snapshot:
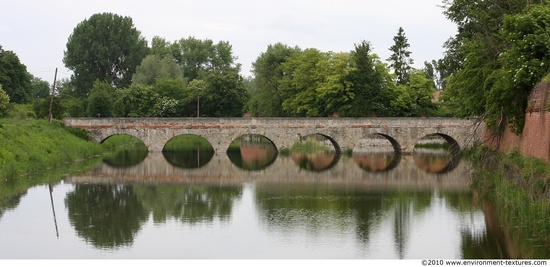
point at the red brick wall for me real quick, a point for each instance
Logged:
(535, 138)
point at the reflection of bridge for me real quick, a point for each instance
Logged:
(344, 133)
(155, 169)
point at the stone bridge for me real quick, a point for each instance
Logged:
(343, 133)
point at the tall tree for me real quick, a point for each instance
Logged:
(266, 98)
(304, 73)
(415, 99)
(476, 85)
(224, 96)
(372, 83)
(106, 47)
(14, 78)
(400, 59)
(40, 88)
(197, 57)
(154, 67)
(100, 102)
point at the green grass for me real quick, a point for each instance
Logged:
(31, 146)
(187, 142)
(519, 189)
(123, 142)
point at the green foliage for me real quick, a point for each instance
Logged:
(309, 147)
(105, 47)
(224, 95)
(100, 102)
(137, 101)
(187, 142)
(524, 64)
(316, 83)
(40, 88)
(29, 146)
(372, 82)
(74, 107)
(518, 187)
(266, 97)
(14, 78)
(154, 67)
(502, 51)
(4, 102)
(197, 57)
(304, 74)
(222, 92)
(21, 111)
(41, 108)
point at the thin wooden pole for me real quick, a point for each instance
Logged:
(51, 97)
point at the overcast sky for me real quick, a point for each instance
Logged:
(37, 30)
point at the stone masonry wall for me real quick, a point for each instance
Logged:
(535, 138)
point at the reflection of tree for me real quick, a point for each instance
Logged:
(9, 203)
(370, 210)
(108, 216)
(291, 206)
(125, 158)
(189, 204)
(189, 159)
(317, 207)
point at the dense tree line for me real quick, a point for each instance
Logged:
(116, 73)
(500, 51)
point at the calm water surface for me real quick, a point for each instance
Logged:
(368, 206)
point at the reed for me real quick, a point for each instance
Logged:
(519, 188)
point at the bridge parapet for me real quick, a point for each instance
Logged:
(345, 133)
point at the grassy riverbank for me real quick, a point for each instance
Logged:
(519, 189)
(31, 146)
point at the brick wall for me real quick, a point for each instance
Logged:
(535, 138)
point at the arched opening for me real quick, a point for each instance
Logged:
(315, 152)
(124, 150)
(252, 152)
(188, 151)
(436, 153)
(377, 153)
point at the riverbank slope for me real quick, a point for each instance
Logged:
(31, 146)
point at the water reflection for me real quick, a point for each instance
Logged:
(377, 162)
(316, 162)
(154, 209)
(252, 152)
(435, 160)
(188, 151)
(126, 158)
(189, 159)
(189, 204)
(128, 150)
(106, 216)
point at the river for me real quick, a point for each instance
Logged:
(210, 206)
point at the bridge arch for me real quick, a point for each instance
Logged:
(454, 153)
